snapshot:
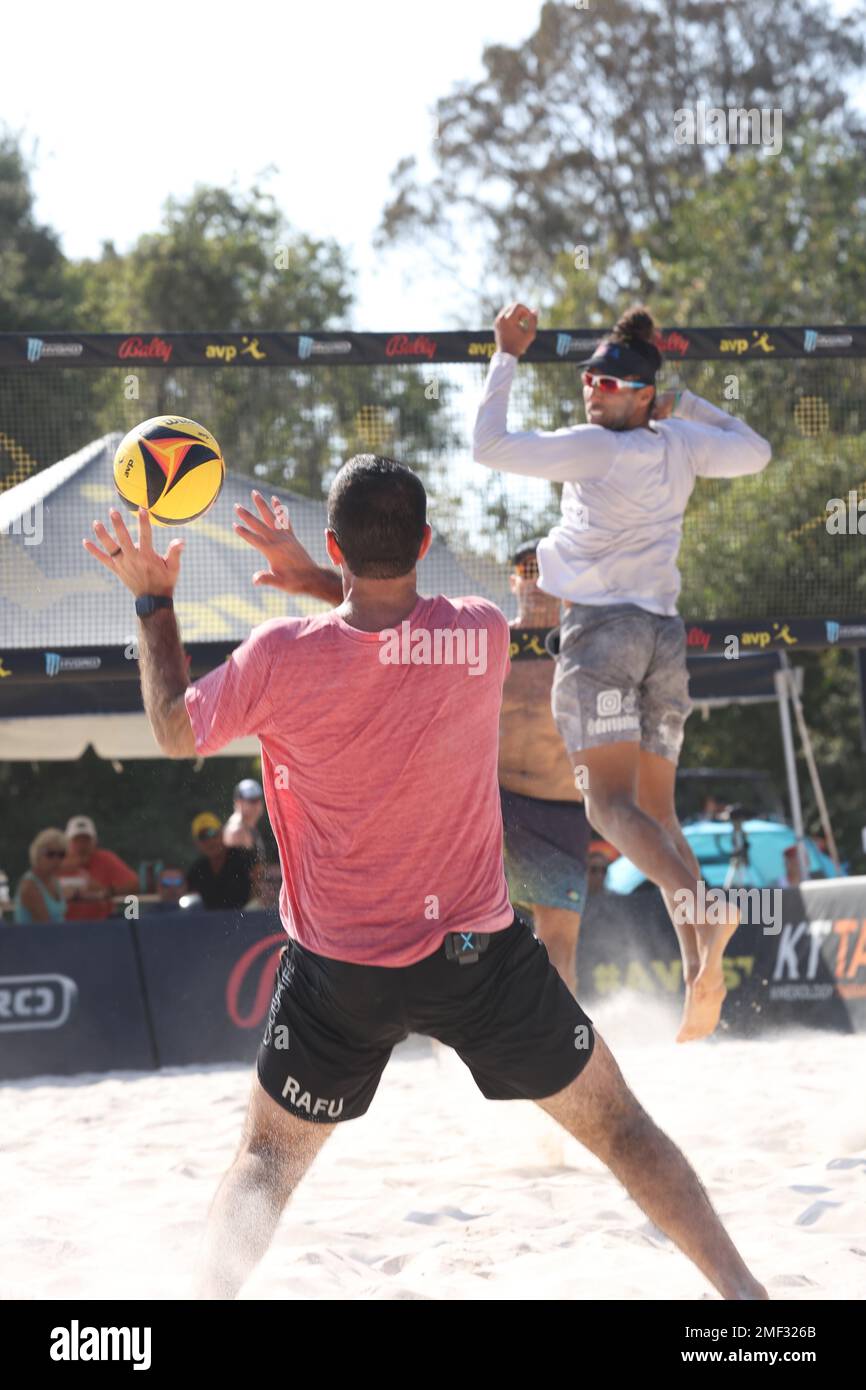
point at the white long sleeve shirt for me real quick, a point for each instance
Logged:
(625, 491)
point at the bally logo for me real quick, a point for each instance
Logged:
(305, 1102)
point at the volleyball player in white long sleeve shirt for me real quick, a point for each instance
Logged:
(620, 696)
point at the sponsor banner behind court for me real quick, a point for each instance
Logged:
(193, 988)
(209, 977)
(71, 1001)
(808, 969)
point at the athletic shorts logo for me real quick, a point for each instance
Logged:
(608, 703)
(302, 1100)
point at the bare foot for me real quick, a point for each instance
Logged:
(705, 992)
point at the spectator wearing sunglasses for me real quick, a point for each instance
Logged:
(170, 888)
(222, 875)
(620, 694)
(95, 874)
(545, 827)
(39, 897)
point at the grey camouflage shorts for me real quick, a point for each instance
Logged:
(621, 677)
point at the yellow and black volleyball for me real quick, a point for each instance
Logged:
(171, 466)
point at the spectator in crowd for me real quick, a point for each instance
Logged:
(241, 830)
(600, 855)
(223, 874)
(267, 881)
(793, 874)
(39, 897)
(171, 886)
(712, 808)
(99, 873)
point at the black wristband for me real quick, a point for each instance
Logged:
(148, 603)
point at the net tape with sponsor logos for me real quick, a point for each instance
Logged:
(758, 559)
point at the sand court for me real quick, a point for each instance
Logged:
(437, 1193)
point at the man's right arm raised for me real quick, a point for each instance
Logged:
(575, 454)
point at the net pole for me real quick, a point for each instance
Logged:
(780, 679)
(806, 740)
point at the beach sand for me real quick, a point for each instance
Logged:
(437, 1193)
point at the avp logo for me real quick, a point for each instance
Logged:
(34, 349)
(563, 343)
(30, 1002)
(832, 631)
(810, 339)
(52, 663)
(305, 347)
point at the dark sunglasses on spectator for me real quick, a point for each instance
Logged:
(54, 853)
(207, 834)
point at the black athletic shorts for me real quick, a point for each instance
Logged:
(332, 1024)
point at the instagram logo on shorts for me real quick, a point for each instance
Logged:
(609, 702)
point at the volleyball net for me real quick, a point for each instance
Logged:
(776, 559)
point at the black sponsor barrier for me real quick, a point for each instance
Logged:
(71, 1001)
(799, 959)
(192, 988)
(208, 979)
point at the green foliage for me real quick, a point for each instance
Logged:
(36, 290)
(569, 138)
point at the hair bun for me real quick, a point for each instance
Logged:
(636, 322)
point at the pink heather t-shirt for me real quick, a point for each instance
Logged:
(379, 762)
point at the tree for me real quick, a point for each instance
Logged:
(226, 260)
(569, 139)
(36, 289)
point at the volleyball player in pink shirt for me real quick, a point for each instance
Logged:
(378, 723)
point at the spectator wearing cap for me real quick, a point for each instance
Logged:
(601, 856)
(223, 874)
(793, 874)
(39, 897)
(241, 830)
(97, 874)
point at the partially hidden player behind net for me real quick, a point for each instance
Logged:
(546, 830)
(620, 695)
(379, 762)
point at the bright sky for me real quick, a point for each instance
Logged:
(127, 104)
(131, 103)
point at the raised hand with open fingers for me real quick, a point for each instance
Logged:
(290, 567)
(140, 568)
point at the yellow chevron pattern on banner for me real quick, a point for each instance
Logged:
(24, 464)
